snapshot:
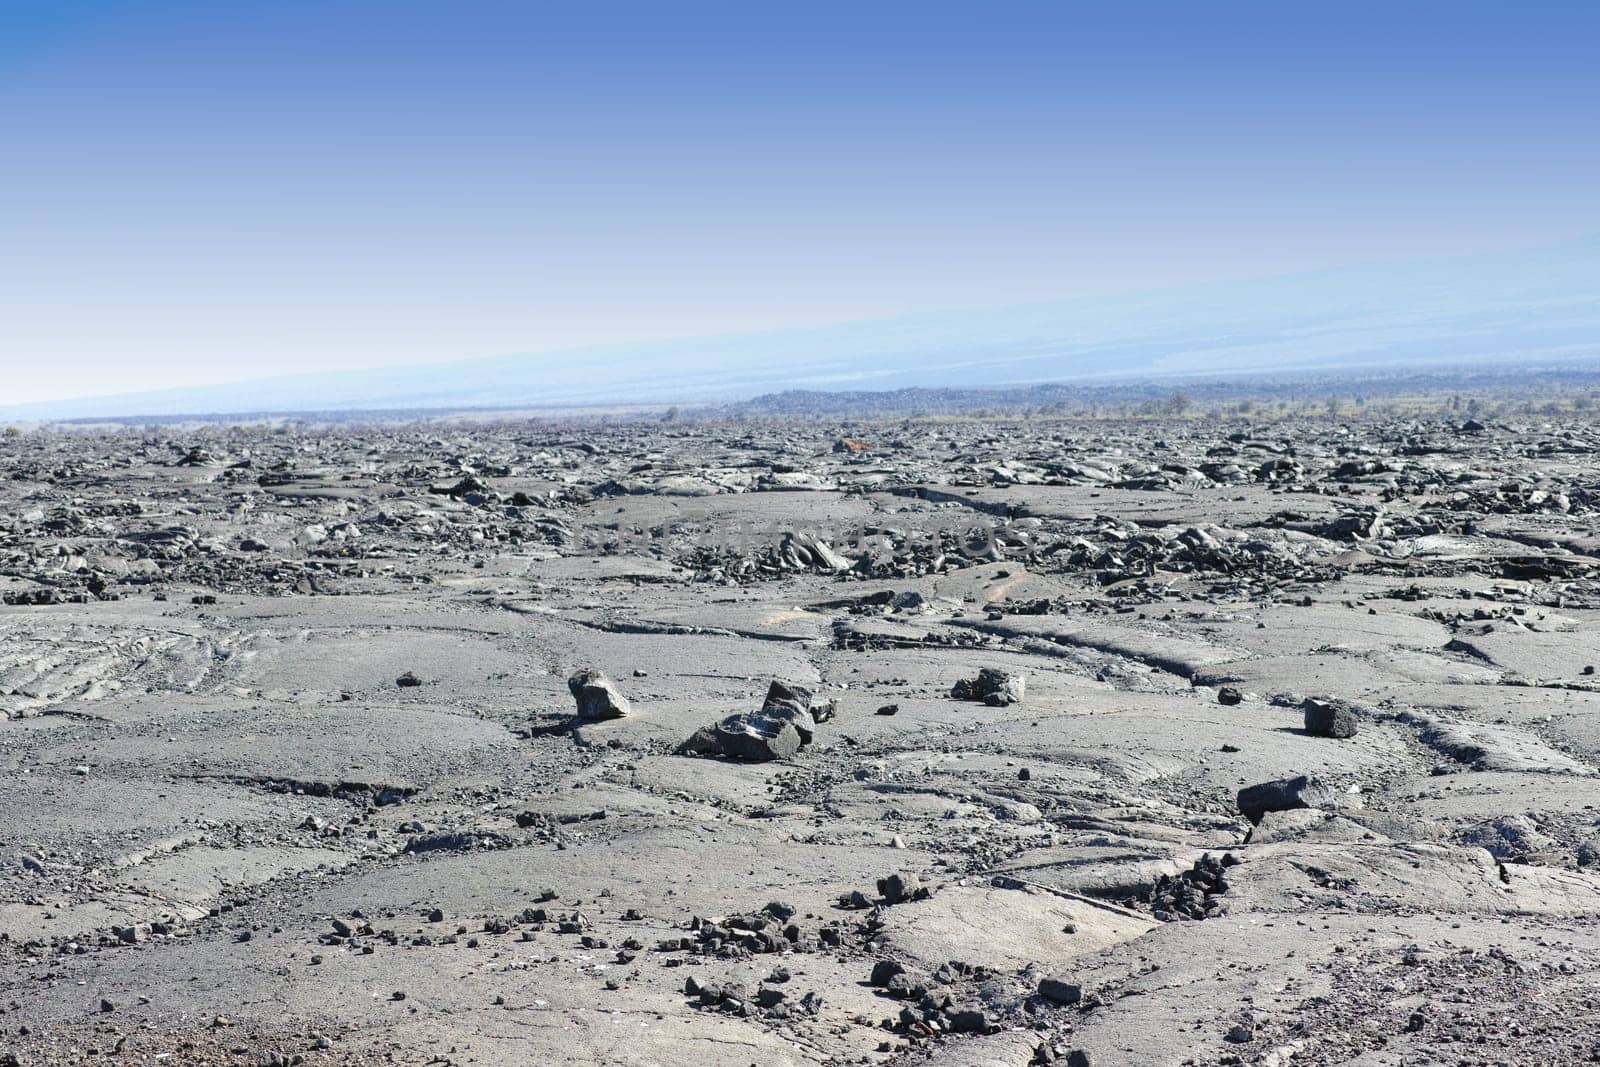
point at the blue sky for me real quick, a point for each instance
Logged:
(195, 192)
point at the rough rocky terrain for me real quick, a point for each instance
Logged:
(1094, 743)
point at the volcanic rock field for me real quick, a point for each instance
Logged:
(962, 742)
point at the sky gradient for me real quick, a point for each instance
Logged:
(193, 192)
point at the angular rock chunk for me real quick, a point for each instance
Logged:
(1060, 991)
(787, 696)
(1330, 717)
(760, 736)
(756, 735)
(994, 687)
(784, 725)
(597, 696)
(1284, 794)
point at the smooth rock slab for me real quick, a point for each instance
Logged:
(1006, 929)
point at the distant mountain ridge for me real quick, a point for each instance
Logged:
(1520, 380)
(1536, 304)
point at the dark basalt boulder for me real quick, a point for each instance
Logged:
(1285, 794)
(1330, 717)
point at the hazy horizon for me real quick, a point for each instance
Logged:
(1507, 308)
(203, 196)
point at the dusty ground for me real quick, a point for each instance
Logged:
(232, 836)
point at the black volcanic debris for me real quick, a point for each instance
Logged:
(1195, 893)
(996, 688)
(1234, 738)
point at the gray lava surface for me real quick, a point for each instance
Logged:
(960, 742)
